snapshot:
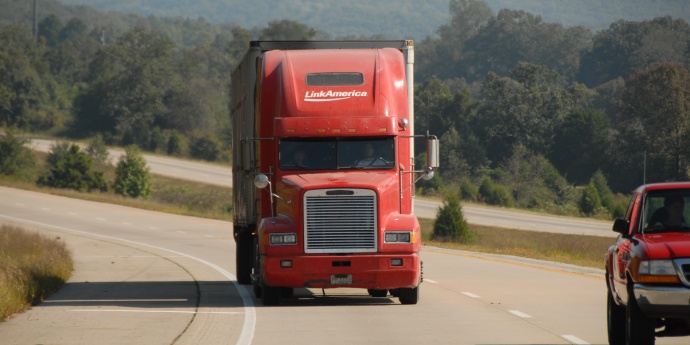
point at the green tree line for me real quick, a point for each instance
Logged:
(529, 113)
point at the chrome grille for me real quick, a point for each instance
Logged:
(340, 221)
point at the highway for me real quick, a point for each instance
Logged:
(146, 277)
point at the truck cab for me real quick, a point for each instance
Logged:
(323, 169)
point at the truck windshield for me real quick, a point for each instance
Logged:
(665, 211)
(337, 153)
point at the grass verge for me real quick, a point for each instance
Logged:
(31, 267)
(580, 250)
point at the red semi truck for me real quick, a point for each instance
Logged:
(323, 168)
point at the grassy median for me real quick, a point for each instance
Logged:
(31, 267)
(580, 250)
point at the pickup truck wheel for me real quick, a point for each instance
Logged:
(615, 320)
(639, 328)
(409, 295)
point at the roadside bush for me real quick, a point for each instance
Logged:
(175, 144)
(98, 151)
(132, 177)
(468, 191)
(450, 223)
(494, 194)
(73, 169)
(590, 202)
(16, 159)
(605, 193)
(204, 146)
(156, 139)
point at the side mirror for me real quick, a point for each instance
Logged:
(432, 149)
(621, 226)
(428, 174)
(261, 181)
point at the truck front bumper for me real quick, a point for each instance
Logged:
(332, 271)
(663, 301)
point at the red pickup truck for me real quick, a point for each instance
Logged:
(648, 268)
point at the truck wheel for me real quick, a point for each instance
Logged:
(244, 257)
(270, 295)
(287, 292)
(639, 328)
(377, 292)
(615, 320)
(409, 295)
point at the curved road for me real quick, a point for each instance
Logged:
(153, 278)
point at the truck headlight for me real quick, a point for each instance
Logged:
(283, 239)
(398, 237)
(657, 271)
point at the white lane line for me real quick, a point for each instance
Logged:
(180, 232)
(119, 300)
(99, 218)
(152, 311)
(574, 340)
(209, 236)
(153, 228)
(73, 214)
(520, 314)
(430, 281)
(469, 294)
(126, 223)
(249, 325)
(45, 209)
(18, 204)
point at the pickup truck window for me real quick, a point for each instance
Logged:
(666, 211)
(362, 153)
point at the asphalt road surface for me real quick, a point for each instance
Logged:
(154, 278)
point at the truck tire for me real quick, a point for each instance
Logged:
(244, 257)
(377, 292)
(639, 328)
(409, 295)
(270, 295)
(615, 320)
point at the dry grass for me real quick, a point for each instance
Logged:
(31, 267)
(169, 195)
(585, 251)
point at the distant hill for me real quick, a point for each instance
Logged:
(392, 18)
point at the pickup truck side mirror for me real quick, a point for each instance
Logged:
(621, 226)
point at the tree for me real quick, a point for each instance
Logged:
(287, 30)
(517, 36)
(72, 169)
(132, 176)
(523, 109)
(579, 143)
(16, 159)
(655, 125)
(130, 82)
(450, 223)
(627, 45)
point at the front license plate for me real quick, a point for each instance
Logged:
(341, 279)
